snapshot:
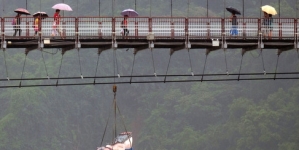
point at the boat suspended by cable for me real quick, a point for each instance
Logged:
(123, 141)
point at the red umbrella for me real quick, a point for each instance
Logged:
(22, 11)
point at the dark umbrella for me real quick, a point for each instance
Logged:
(42, 14)
(233, 10)
(22, 11)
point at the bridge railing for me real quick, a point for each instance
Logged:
(161, 27)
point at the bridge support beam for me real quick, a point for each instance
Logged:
(140, 48)
(244, 50)
(208, 50)
(280, 50)
(172, 50)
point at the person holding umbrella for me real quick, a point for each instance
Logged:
(233, 20)
(56, 24)
(17, 20)
(124, 24)
(17, 23)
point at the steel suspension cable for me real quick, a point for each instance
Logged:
(80, 64)
(276, 67)
(154, 61)
(204, 67)
(167, 68)
(224, 50)
(240, 68)
(94, 81)
(45, 64)
(7, 77)
(190, 62)
(132, 68)
(59, 70)
(263, 61)
(23, 70)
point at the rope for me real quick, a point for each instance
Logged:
(59, 70)
(5, 65)
(154, 62)
(23, 70)
(190, 63)
(167, 69)
(94, 81)
(80, 64)
(105, 128)
(132, 68)
(45, 64)
(240, 68)
(276, 67)
(204, 68)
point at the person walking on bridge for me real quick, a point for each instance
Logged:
(17, 22)
(234, 29)
(56, 25)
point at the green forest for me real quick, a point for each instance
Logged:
(233, 115)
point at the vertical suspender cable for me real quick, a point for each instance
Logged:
(167, 68)
(240, 68)
(276, 67)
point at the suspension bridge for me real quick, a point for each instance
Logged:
(154, 33)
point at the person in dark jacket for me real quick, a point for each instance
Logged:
(17, 27)
(234, 29)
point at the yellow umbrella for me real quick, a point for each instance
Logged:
(269, 9)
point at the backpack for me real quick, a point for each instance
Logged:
(13, 21)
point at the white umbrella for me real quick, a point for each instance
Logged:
(62, 6)
(129, 12)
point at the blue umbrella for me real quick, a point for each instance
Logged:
(129, 13)
(233, 10)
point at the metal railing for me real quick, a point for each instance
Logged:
(161, 27)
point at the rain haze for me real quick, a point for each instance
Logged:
(207, 115)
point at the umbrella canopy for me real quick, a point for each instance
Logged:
(269, 9)
(42, 14)
(22, 11)
(62, 6)
(129, 12)
(233, 10)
